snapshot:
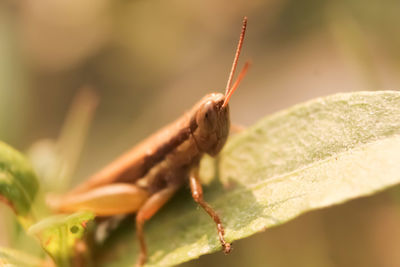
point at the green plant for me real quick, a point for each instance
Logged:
(310, 156)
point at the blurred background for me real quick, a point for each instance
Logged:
(149, 61)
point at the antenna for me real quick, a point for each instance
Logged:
(236, 84)
(235, 60)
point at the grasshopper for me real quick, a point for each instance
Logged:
(142, 180)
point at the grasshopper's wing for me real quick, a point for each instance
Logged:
(139, 160)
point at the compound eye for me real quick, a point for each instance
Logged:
(207, 117)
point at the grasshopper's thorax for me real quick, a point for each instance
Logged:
(213, 124)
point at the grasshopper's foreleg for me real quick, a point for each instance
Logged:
(237, 128)
(197, 194)
(150, 207)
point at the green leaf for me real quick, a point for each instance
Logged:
(11, 258)
(311, 156)
(18, 182)
(59, 234)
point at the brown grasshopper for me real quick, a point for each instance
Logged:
(142, 180)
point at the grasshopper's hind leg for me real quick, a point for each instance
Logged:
(197, 194)
(150, 207)
(107, 200)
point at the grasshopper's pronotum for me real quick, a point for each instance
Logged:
(142, 180)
